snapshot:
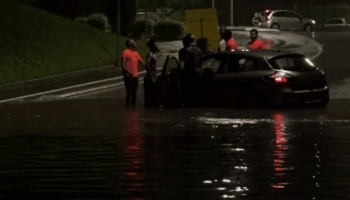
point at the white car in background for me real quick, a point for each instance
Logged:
(283, 20)
(334, 24)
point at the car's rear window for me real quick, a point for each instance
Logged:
(292, 63)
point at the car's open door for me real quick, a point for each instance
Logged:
(168, 83)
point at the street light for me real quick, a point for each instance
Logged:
(146, 22)
(118, 32)
(231, 12)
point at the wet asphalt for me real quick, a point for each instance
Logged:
(98, 149)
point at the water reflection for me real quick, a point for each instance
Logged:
(172, 154)
(253, 147)
(279, 155)
(232, 142)
(132, 146)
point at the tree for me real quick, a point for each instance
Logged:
(163, 5)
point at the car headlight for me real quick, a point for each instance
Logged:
(313, 21)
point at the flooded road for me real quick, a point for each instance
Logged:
(97, 149)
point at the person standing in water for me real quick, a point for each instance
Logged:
(149, 85)
(130, 61)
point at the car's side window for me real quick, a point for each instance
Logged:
(335, 21)
(285, 62)
(211, 63)
(248, 65)
(232, 65)
(276, 14)
(241, 63)
(279, 14)
(293, 15)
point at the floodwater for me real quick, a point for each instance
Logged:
(98, 149)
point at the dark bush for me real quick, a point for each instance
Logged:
(81, 19)
(98, 20)
(169, 29)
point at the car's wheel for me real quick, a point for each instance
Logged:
(308, 28)
(275, 26)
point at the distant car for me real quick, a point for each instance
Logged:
(334, 24)
(254, 79)
(283, 20)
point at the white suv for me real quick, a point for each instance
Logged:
(284, 20)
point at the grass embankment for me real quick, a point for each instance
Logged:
(35, 43)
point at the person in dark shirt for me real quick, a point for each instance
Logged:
(191, 60)
(150, 78)
(185, 43)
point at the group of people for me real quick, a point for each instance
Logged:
(130, 61)
(228, 44)
(190, 57)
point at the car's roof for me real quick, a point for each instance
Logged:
(283, 11)
(258, 53)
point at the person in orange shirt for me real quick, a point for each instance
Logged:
(130, 61)
(255, 43)
(230, 43)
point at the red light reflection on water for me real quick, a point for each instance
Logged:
(280, 147)
(132, 146)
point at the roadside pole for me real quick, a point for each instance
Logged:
(231, 12)
(146, 22)
(118, 33)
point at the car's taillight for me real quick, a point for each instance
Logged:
(267, 14)
(279, 77)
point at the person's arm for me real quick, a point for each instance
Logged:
(153, 67)
(125, 68)
(147, 65)
(181, 58)
(140, 61)
(148, 62)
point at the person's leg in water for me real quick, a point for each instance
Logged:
(188, 89)
(128, 90)
(148, 92)
(135, 84)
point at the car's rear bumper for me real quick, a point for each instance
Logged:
(301, 97)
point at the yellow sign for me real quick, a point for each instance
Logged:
(203, 23)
